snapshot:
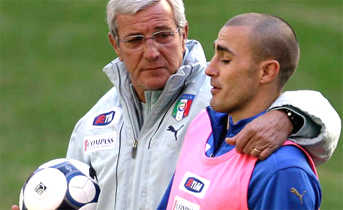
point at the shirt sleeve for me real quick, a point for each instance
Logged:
(284, 181)
(314, 106)
(288, 189)
(75, 146)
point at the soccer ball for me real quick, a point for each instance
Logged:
(60, 184)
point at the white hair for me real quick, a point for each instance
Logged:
(131, 7)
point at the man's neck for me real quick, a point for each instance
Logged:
(261, 102)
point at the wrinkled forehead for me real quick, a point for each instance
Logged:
(159, 15)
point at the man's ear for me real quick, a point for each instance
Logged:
(269, 70)
(115, 46)
(184, 36)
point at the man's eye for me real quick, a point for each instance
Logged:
(163, 35)
(226, 61)
(134, 39)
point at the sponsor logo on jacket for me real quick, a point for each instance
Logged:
(183, 106)
(182, 204)
(104, 118)
(99, 142)
(194, 185)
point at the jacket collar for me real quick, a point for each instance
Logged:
(194, 63)
(194, 54)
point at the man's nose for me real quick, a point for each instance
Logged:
(211, 69)
(151, 51)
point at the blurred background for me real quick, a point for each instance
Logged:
(51, 59)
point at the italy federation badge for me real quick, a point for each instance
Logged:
(182, 107)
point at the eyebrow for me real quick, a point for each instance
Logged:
(158, 28)
(221, 48)
(162, 28)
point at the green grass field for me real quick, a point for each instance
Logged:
(52, 54)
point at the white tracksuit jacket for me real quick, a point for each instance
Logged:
(134, 158)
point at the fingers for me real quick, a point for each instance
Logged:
(231, 141)
(241, 139)
(252, 147)
(246, 139)
(15, 207)
(261, 147)
(255, 152)
(262, 154)
(265, 153)
(261, 137)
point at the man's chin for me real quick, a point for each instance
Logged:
(217, 106)
(155, 84)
